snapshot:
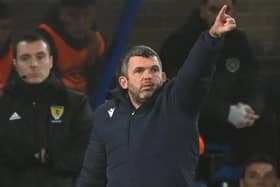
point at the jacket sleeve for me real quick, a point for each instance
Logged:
(93, 173)
(194, 78)
(71, 154)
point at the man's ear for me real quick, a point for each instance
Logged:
(163, 76)
(15, 63)
(123, 82)
(51, 61)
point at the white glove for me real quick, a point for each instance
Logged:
(237, 114)
(242, 115)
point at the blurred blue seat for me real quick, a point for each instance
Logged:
(220, 164)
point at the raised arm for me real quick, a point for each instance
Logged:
(223, 23)
(194, 77)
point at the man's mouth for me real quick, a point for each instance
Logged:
(147, 87)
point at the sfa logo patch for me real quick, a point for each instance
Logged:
(56, 113)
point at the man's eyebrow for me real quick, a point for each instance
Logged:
(40, 52)
(25, 54)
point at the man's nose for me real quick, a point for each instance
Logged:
(33, 62)
(260, 182)
(147, 74)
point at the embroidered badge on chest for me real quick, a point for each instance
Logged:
(57, 113)
(232, 64)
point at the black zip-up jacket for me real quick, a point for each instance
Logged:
(45, 116)
(157, 144)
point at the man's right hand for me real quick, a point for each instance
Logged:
(223, 23)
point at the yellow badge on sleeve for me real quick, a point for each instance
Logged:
(57, 112)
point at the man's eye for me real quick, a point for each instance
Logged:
(40, 57)
(139, 70)
(156, 69)
(253, 175)
(24, 58)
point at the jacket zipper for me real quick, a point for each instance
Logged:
(40, 135)
(129, 127)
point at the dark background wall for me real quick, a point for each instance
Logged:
(157, 18)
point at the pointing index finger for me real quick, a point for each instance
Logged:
(222, 12)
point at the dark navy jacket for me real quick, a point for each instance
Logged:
(157, 144)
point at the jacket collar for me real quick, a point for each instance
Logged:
(46, 89)
(120, 97)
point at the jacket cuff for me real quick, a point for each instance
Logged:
(213, 41)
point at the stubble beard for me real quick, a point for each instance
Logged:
(142, 97)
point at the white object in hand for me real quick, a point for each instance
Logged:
(237, 114)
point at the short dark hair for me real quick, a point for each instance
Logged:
(259, 158)
(5, 11)
(139, 50)
(28, 36)
(77, 3)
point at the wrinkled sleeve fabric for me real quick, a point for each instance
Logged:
(194, 78)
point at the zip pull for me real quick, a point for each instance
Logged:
(43, 155)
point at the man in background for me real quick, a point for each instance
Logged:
(44, 126)
(77, 44)
(260, 170)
